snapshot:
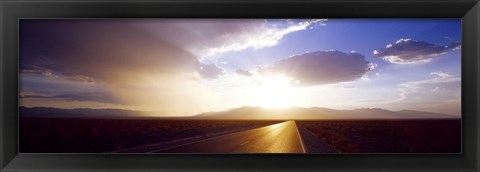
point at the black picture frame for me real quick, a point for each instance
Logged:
(13, 10)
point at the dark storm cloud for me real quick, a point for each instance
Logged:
(210, 71)
(109, 50)
(101, 49)
(408, 51)
(138, 61)
(243, 72)
(322, 67)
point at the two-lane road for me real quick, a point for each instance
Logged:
(277, 138)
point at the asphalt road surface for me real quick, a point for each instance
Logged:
(277, 138)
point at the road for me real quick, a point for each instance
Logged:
(277, 138)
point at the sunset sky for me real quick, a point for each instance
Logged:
(178, 67)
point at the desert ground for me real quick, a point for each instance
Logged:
(64, 135)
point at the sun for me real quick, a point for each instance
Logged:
(275, 92)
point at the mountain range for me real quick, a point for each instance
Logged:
(319, 113)
(242, 113)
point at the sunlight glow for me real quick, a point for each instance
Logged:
(275, 92)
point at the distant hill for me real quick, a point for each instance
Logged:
(242, 113)
(319, 113)
(47, 112)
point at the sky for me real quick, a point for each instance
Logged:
(183, 67)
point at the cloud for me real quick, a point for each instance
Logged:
(441, 93)
(110, 50)
(408, 51)
(321, 67)
(208, 37)
(455, 46)
(436, 89)
(243, 72)
(105, 49)
(138, 68)
(439, 79)
(101, 97)
(441, 75)
(210, 71)
(143, 62)
(265, 35)
(48, 73)
(25, 94)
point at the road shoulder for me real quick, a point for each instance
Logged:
(313, 144)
